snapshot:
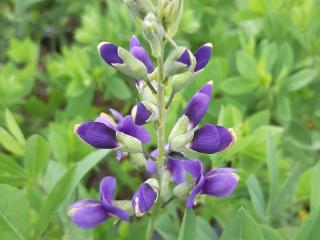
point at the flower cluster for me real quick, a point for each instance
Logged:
(127, 135)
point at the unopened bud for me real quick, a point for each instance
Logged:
(171, 14)
(179, 61)
(140, 8)
(129, 143)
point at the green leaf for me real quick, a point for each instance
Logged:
(14, 127)
(270, 233)
(188, 227)
(299, 79)
(242, 227)
(204, 230)
(237, 85)
(119, 88)
(310, 230)
(256, 196)
(10, 172)
(246, 66)
(166, 227)
(63, 188)
(273, 171)
(315, 189)
(14, 214)
(9, 143)
(37, 154)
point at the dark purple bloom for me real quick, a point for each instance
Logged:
(198, 105)
(151, 167)
(140, 53)
(109, 53)
(202, 55)
(89, 213)
(176, 169)
(101, 133)
(211, 139)
(141, 114)
(185, 58)
(145, 196)
(220, 182)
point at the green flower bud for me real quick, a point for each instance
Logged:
(182, 190)
(171, 15)
(140, 8)
(178, 143)
(153, 32)
(129, 143)
(179, 81)
(181, 127)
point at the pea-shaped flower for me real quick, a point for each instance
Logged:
(145, 196)
(105, 133)
(88, 213)
(220, 182)
(135, 63)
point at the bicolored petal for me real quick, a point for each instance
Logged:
(211, 139)
(106, 119)
(195, 191)
(140, 53)
(176, 169)
(97, 134)
(87, 213)
(185, 58)
(144, 198)
(116, 114)
(220, 182)
(202, 55)
(109, 53)
(128, 127)
(140, 114)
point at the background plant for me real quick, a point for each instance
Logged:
(276, 102)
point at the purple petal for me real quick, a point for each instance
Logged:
(107, 189)
(143, 199)
(195, 191)
(109, 53)
(185, 58)
(202, 56)
(141, 114)
(134, 42)
(194, 167)
(151, 167)
(141, 54)
(197, 108)
(176, 169)
(211, 139)
(121, 155)
(116, 114)
(207, 89)
(87, 213)
(220, 182)
(123, 215)
(106, 119)
(128, 127)
(97, 135)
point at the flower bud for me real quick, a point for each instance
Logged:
(181, 80)
(180, 127)
(140, 8)
(179, 143)
(179, 61)
(172, 12)
(138, 159)
(145, 196)
(144, 112)
(153, 32)
(122, 60)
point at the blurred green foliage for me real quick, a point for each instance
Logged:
(265, 69)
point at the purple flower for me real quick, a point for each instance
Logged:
(101, 133)
(202, 55)
(136, 63)
(211, 139)
(141, 114)
(185, 58)
(198, 105)
(220, 182)
(145, 196)
(140, 53)
(89, 213)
